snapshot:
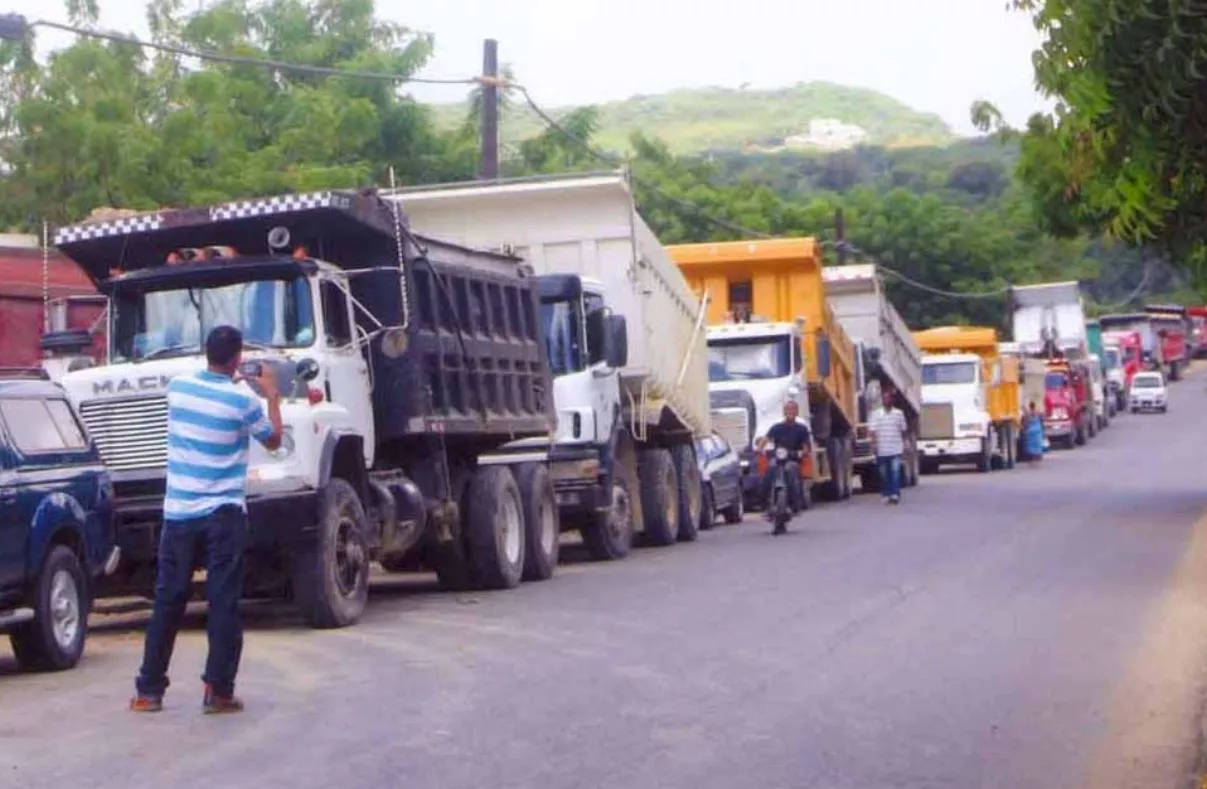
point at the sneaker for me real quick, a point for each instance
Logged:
(780, 530)
(214, 704)
(141, 703)
(894, 499)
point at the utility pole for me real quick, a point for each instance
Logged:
(840, 236)
(490, 111)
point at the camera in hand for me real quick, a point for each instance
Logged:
(250, 370)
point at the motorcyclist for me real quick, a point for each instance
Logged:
(793, 436)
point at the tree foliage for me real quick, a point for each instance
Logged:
(1125, 152)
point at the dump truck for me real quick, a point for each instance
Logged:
(1152, 356)
(402, 361)
(1049, 323)
(1173, 326)
(971, 399)
(887, 359)
(626, 345)
(772, 335)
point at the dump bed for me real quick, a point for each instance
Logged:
(1050, 311)
(862, 307)
(778, 280)
(478, 370)
(589, 225)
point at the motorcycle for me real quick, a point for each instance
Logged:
(779, 463)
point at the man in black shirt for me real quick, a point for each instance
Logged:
(793, 436)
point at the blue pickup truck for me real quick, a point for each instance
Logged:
(56, 522)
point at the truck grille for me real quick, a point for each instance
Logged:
(937, 421)
(130, 434)
(731, 423)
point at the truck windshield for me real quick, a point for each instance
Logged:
(563, 325)
(949, 373)
(1054, 382)
(749, 358)
(159, 323)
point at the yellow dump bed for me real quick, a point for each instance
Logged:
(778, 280)
(1005, 395)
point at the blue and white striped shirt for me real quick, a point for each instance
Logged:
(209, 421)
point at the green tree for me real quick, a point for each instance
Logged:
(1125, 152)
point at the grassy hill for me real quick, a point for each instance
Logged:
(722, 119)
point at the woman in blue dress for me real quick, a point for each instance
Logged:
(1033, 435)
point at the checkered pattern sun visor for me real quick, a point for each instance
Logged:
(239, 209)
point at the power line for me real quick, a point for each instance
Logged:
(954, 294)
(15, 27)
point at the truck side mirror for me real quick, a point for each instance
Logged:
(618, 341)
(307, 369)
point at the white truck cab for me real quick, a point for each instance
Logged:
(955, 418)
(753, 369)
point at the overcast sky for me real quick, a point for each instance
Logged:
(935, 55)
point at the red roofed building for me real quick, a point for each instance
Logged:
(74, 302)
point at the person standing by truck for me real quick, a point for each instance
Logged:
(1033, 435)
(889, 431)
(210, 419)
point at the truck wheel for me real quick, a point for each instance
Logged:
(1010, 447)
(690, 500)
(609, 535)
(494, 528)
(928, 466)
(1081, 434)
(735, 512)
(843, 481)
(659, 484)
(54, 639)
(332, 582)
(541, 530)
(869, 482)
(985, 461)
(708, 508)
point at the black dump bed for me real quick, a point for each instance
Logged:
(463, 354)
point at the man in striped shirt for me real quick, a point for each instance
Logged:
(889, 432)
(211, 416)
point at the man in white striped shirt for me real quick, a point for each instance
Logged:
(210, 419)
(889, 432)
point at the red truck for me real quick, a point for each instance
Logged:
(1198, 332)
(36, 291)
(1172, 325)
(1131, 353)
(1068, 403)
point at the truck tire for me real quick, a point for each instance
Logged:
(928, 466)
(689, 488)
(1175, 371)
(869, 481)
(331, 583)
(659, 502)
(708, 508)
(609, 535)
(842, 467)
(54, 639)
(1011, 447)
(1080, 434)
(541, 530)
(494, 528)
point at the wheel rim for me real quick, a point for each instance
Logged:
(548, 529)
(621, 512)
(64, 608)
(510, 523)
(349, 557)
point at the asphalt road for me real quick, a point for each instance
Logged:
(1032, 628)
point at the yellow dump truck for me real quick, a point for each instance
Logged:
(771, 336)
(971, 399)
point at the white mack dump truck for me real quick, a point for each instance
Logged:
(402, 361)
(626, 343)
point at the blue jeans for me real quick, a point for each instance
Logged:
(219, 539)
(890, 475)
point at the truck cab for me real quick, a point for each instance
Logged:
(956, 426)
(1066, 404)
(753, 369)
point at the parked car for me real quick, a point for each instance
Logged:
(1148, 392)
(56, 522)
(721, 474)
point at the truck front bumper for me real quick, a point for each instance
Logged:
(1059, 428)
(579, 483)
(950, 448)
(282, 518)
